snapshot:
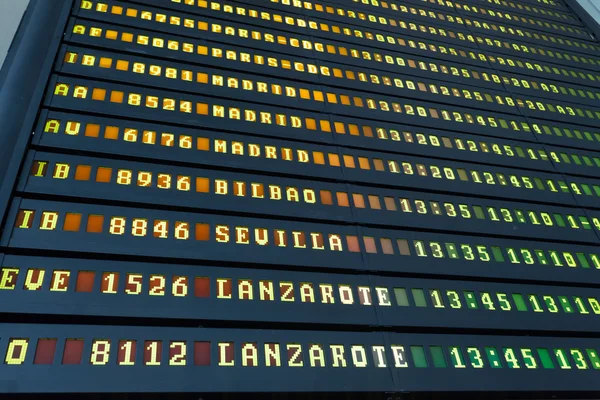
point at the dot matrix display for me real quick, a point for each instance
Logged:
(373, 196)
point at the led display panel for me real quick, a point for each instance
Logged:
(276, 196)
(205, 359)
(206, 293)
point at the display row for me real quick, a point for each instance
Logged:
(36, 285)
(170, 235)
(387, 137)
(368, 108)
(558, 134)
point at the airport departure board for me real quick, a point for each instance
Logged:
(302, 196)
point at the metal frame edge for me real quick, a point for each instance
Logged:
(24, 78)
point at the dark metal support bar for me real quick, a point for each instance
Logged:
(22, 82)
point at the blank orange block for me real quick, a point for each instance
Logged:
(352, 242)
(127, 37)
(326, 197)
(105, 62)
(202, 232)
(325, 125)
(358, 200)
(349, 161)
(370, 246)
(386, 246)
(45, 351)
(111, 132)
(311, 124)
(72, 222)
(201, 77)
(374, 202)
(92, 130)
(304, 94)
(334, 160)
(202, 108)
(363, 162)
(116, 96)
(378, 163)
(122, 65)
(83, 172)
(318, 157)
(99, 94)
(203, 144)
(85, 281)
(342, 199)
(390, 204)
(202, 185)
(403, 246)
